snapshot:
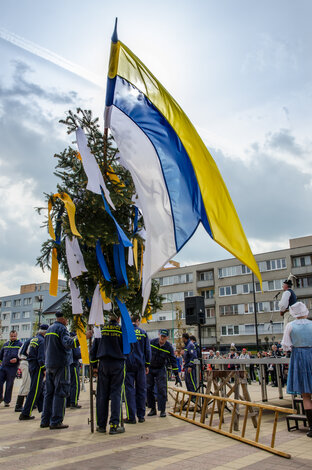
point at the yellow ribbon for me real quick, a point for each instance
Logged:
(113, 177)
(54, 274)
(78, 156)
(71, 210)
(51, 230)
(135, 252)
(141, 268)
(82, 341)
(106, 299)
(143, 320)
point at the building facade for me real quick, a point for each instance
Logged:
(231, 294)
(21, 311)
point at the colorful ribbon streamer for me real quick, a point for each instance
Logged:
(101, 260)
(120, 264)
(128, 334)
(82, 341)
(121, 234)
(71, 210)
(54, 274)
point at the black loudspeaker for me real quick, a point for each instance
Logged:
(194, 310)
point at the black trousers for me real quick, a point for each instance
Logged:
(158, 377)
(111, 375)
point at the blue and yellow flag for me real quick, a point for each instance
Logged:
(177, 180)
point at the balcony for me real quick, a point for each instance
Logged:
(208, 283)
(210, 321)
(210, 302)
(209, 341)
(301, 270)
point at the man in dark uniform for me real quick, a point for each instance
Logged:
(162, 355)
(36, 361)
(9, 365)
(137, 366)
(73, 398)
(58, 344)
(108, 362)
(189, 367)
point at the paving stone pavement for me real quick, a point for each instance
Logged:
(159, 443)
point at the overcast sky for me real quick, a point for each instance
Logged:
(241, 70)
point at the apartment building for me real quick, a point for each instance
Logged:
(231, 294)
(20, 311)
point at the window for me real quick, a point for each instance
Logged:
(210, 312)
(6, 316)
(208, 331)
(7, 303)
(304, 282)
(206, 276)
(299, 261)
(15, 315)
(26, 327)
(162, 318)
(228, 309)
(207, 294)
(26, 314)
(15, 327)
(229, 330)
(5, 329)
(17, 302)
(228, 290)
(27, 301)
(272, 264)
(178, 279)
(177, 296)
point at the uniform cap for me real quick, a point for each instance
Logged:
(44, 326)
(164, 332)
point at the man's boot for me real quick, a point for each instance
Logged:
(19, 403)
(309, 416)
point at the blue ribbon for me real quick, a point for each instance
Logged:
(121, 234)
(128, 334)
(101, 260)
(135, 222)
(120, 264)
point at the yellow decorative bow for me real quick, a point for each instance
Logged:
(71, 210)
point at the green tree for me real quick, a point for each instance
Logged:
(92, 220)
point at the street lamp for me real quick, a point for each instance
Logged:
(255, 310)
(39, 298)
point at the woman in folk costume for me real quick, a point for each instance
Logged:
(298, 338)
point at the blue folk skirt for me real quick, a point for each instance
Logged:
(300, 371)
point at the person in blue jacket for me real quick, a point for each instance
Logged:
(9, 365)
(73, 398)
(137, 366)
(58, 344)
(36, 361)
(162, 355)
(189, 367)
(108, 362)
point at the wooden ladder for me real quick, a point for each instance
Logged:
(181, 410)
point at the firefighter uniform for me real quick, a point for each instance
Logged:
(107, 356)
(136, 364)
(73, 398)
(36, 363)
(161, 357)
(8, 369)
(58, 345)
(190, 355)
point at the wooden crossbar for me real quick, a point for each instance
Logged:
(202, 402)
